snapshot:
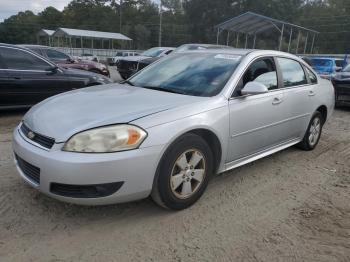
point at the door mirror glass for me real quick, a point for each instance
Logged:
(254, 88)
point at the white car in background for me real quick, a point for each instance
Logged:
(120, 55)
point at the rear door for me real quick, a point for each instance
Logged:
(299, 95)
(30, 79)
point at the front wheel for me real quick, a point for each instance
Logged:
(183, 173)
(313, 132)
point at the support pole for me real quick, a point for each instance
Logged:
(81, 42)
(246, 41)
(254, 41)
(228, 37)
(237, 40)
(296, 51)
(217, 36)
(160, 24)
(281, 40)
(290, 39)
(307, 37)
(313, 42)
(92, 43)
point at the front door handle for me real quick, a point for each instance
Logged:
(277, 101)
(312, 93)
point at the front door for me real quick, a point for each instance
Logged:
(257, 122)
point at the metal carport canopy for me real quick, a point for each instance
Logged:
(252, 24)
(68, 32)
(46, 32)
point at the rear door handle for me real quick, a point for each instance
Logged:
(277, 101)
(17, 77)
(312, 93)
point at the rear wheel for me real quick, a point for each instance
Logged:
(313, 133)
(183, 173)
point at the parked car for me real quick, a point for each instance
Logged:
(128, 66)
(171, 127)
(326, 66)
(112, 61)
(186, 47)
(341, 83)
(27, 78)
(89, 57)
(66, 61)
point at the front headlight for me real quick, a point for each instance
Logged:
(106, 139)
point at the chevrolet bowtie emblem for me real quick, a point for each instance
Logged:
(31, 135)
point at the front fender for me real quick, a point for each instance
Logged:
(215, 120)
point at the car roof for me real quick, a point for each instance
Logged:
(245, 52)
(23, 47)
(36, 46)
(233, 51)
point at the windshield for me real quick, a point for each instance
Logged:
(153, 52)
(322, 62)
(347, 69)
(195, 74)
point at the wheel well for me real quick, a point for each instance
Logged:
(213, 142)
(323, 111)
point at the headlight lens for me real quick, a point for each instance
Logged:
(106, 139)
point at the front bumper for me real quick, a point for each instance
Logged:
(135, 168)
(342, 93)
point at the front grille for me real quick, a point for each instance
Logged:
(85, 191)
(30, 171)
(44, 141)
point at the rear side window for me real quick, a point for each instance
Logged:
(312, 76)
(53, 54)
(20, 60)
(292, 72)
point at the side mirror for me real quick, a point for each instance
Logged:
(52, 69)
(254, 88)
(338, 69)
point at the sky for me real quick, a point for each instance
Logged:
(12, 7)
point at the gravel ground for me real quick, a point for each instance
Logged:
(292, 206)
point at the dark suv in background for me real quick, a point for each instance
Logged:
(27, 78)
(67, 61)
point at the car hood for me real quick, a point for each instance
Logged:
(66, 114)
(342, 76)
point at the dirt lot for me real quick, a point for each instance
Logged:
(292, 206)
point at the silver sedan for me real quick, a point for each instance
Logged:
(167, 130)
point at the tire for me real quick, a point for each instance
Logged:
(307, 143)
(178, 184)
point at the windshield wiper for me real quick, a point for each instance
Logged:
(128, 82)
(165, 90)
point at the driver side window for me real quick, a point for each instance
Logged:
(262, 71)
